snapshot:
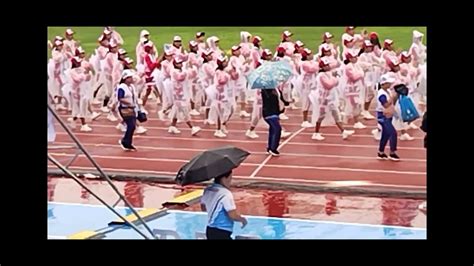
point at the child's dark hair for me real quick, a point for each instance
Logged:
(218, 179)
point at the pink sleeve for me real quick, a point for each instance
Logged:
(77, 77)
(352, 74)
(328, 83)
(56, 56)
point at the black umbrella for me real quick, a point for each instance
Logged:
(210, 164)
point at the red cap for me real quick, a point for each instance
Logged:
(281, 49)
(373, 35)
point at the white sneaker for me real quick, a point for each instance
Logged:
(359, 125)
(224, 129)
(195, 130)
(251, 134)
(104, 109)
(367, 116)
(86, 128)
(377, 134)
(283, 117)
(173, 130)
(194, 112)
(219, 134)
(285, 134)
(95, 115)
(161, 115)
(306, 124)
(413, 126)
(140, 101)
(111, 117)
(140, 130)
(244, 114)
(347, 133)
(406, 137)
(317, 136)
(121, 127)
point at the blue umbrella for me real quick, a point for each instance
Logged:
(270, 74)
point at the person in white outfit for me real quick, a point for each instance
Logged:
(326, 99)
(79, 101)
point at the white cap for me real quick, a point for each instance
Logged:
(112, 44)
(235, 47)
(207, 52)
(77, 59)
(368, 43)
(417, 34)
(128, 60)
(193, 43)
(324, 61)
(144, 32)
(122, 51)
(325, 47)
(287, 33)
(388, 41)
(81, 50)
(405, 54)
(127, 73)
(299, 43)
(69, 32)
(58, 42)
(178, 59)
(221, 59)
(386, 78)
(177, 38)
(327, 35)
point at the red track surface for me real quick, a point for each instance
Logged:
(302, 160)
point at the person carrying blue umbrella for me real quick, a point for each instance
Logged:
(267, 77)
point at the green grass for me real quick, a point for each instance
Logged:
(229, 36)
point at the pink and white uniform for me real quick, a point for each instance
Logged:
(354, 76)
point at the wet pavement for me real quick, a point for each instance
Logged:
(313, 206)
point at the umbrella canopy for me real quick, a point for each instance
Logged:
(270, 74)
(210, 164)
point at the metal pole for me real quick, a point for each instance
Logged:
(70, 174)
(79, 145)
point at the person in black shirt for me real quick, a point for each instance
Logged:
(270, 111)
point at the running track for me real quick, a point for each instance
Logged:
(303, 160)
